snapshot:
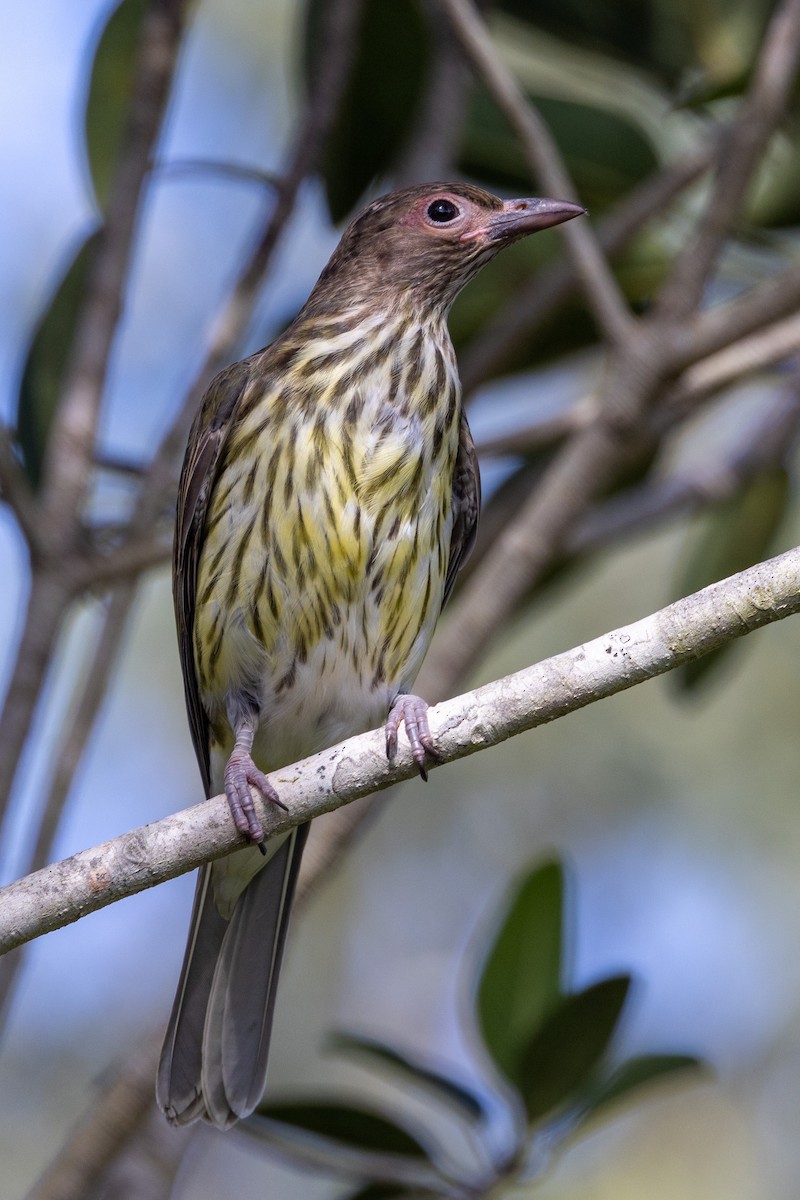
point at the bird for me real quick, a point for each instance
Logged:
(329, 495)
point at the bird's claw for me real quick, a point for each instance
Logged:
(241, 774)
(411, 711)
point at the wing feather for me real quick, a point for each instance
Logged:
(466, 506)
(200, 471)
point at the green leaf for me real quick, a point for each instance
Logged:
(415, 1070)
(359, 1128)
(731, 537)
(636, 1073)
(521, 979)
(651, 36)
(561, 1057)
(605, 154)
(43, 373)
(381, 100)
(110, 91)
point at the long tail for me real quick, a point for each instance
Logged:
(214, 1059)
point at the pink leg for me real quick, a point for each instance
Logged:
(241, 773)
(412, 711)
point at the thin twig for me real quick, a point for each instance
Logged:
(133, 558)
(68, 755)
(767, 442)
(240, 172)
(711, 331)
(15, 491)
(749, 136)
(48, 600)
(769, 346)
(603, 295)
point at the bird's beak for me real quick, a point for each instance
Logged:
(519, 217)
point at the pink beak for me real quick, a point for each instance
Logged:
(519, 217)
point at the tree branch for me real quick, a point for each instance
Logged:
(92, 879)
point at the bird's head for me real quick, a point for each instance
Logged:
(424, 243)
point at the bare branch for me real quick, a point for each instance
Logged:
(48, 601)
(94, 878)
(544, 160)
(137, 554)
(83, 713)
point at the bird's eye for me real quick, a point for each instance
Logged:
(441, 211)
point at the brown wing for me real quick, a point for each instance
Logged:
(466, 506)
(198, 476)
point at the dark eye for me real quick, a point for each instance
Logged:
(442, 211)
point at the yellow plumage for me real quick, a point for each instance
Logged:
(322, 570)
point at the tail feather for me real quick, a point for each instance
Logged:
(214, 1059)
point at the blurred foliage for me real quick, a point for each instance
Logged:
(715, 37)
(110, 91)
(550, 1043)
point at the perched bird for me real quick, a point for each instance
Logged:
(329, 495)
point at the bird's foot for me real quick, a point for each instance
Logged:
(412, 711)
(241, 774)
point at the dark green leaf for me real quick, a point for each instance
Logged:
(43, 373)
(605, 154)
(414, 1069)
(359, 1128)
(521, 980)
(654, 36)
(380, 103)
(562, 1056)
(636, 1073)
(732, 537)
(110, 91)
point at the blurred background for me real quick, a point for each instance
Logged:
(673, 805)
